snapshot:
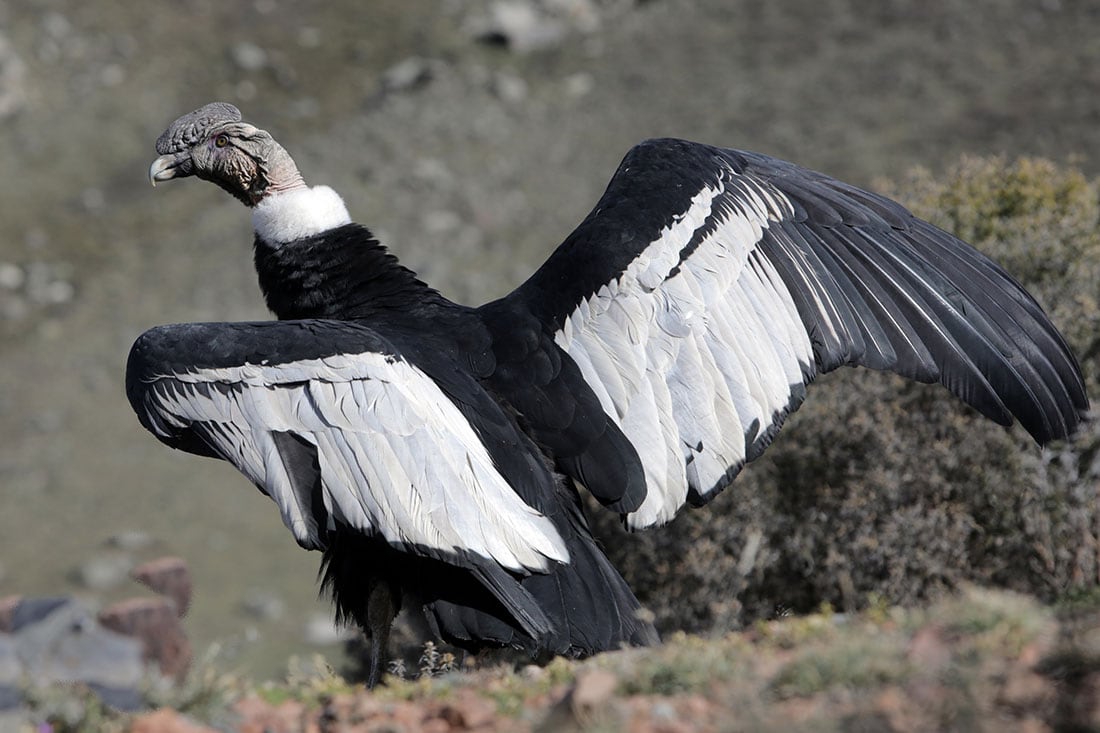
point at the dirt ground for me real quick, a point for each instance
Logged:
(471, 138)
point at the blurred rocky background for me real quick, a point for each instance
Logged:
(472, 136)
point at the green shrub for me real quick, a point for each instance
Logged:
(881, 488)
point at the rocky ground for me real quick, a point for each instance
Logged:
(982, 661)
(471, 136)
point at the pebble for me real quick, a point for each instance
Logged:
(468, 711)
(532, 673)
(580, 84)
(592, 689)
(169, 576)
(264, 606)
(11, 673)
(409, 74)
(519, 26)
(13, 73)
(104, 572)
(167, 721)
(57, 25)
(248, 56)
(130, 540)
(510, 88)
(58, 292)
(662, 711)
(12, 276)
(44, 284)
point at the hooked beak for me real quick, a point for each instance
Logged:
(167, 167)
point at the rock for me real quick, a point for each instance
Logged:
(56, 25)
(17, 611)
(8, 605)
(532, 672)
(525, 26)
(594, 687)
(468, 711)
(590, 698)
(409, 74)
(509, 88)
(248, 56)
(129, 540)
(580, 84)
(264, 605)
(156, 624)
(168, 576)
(166, 721)
(104, 572)
(11, 276)
(10, 673)
(68, 645)
(58, 292)
(13, 73)
(258, 716)
(928, 649)
(45, 284)
(519, 26)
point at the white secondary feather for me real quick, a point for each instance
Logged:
(396, 456)
(694, 360)
(304, 212)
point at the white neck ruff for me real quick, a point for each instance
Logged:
(303, 212)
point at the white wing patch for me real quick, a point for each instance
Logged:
(694, 359)
(396, 456)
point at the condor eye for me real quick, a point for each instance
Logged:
(221, 141)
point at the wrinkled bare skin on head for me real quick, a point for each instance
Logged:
(196, 126)
(213, 144)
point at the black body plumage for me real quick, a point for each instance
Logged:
(657, 350)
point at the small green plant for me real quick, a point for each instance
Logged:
(434, 662)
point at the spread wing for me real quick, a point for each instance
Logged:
(709, 286)
(337, 427)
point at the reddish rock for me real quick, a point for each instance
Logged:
(154, 622)
(167, 721)
(258, 716)
(8, 604)
(594, 687)
(468, 711)
(168, 576)
(1025, 691)
(435, 725)
(928, 651)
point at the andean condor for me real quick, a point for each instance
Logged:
(432, 451)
